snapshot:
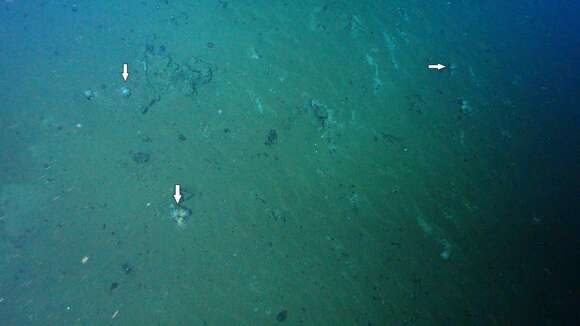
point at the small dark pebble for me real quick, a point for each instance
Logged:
(181, 138)
(140, 157)
(127, 268)
(146, 139)
(145, 108)
(114, 285)
(271, 138)
(210, 45)
(282, 315)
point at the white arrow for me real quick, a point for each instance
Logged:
(177, 195)
(125, 73)
(437, 66)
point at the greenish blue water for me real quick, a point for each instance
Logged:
(328, 176)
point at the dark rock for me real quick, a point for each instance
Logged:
(194, 73)
(271, 138)
(320, 113)
(140, 157)
(282, 315)
(149, 48)
(127, 268)
(145, 108)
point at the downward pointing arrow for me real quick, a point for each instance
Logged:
(177, 195)
(125, 72)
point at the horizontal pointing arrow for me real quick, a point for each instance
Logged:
(437, 66)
